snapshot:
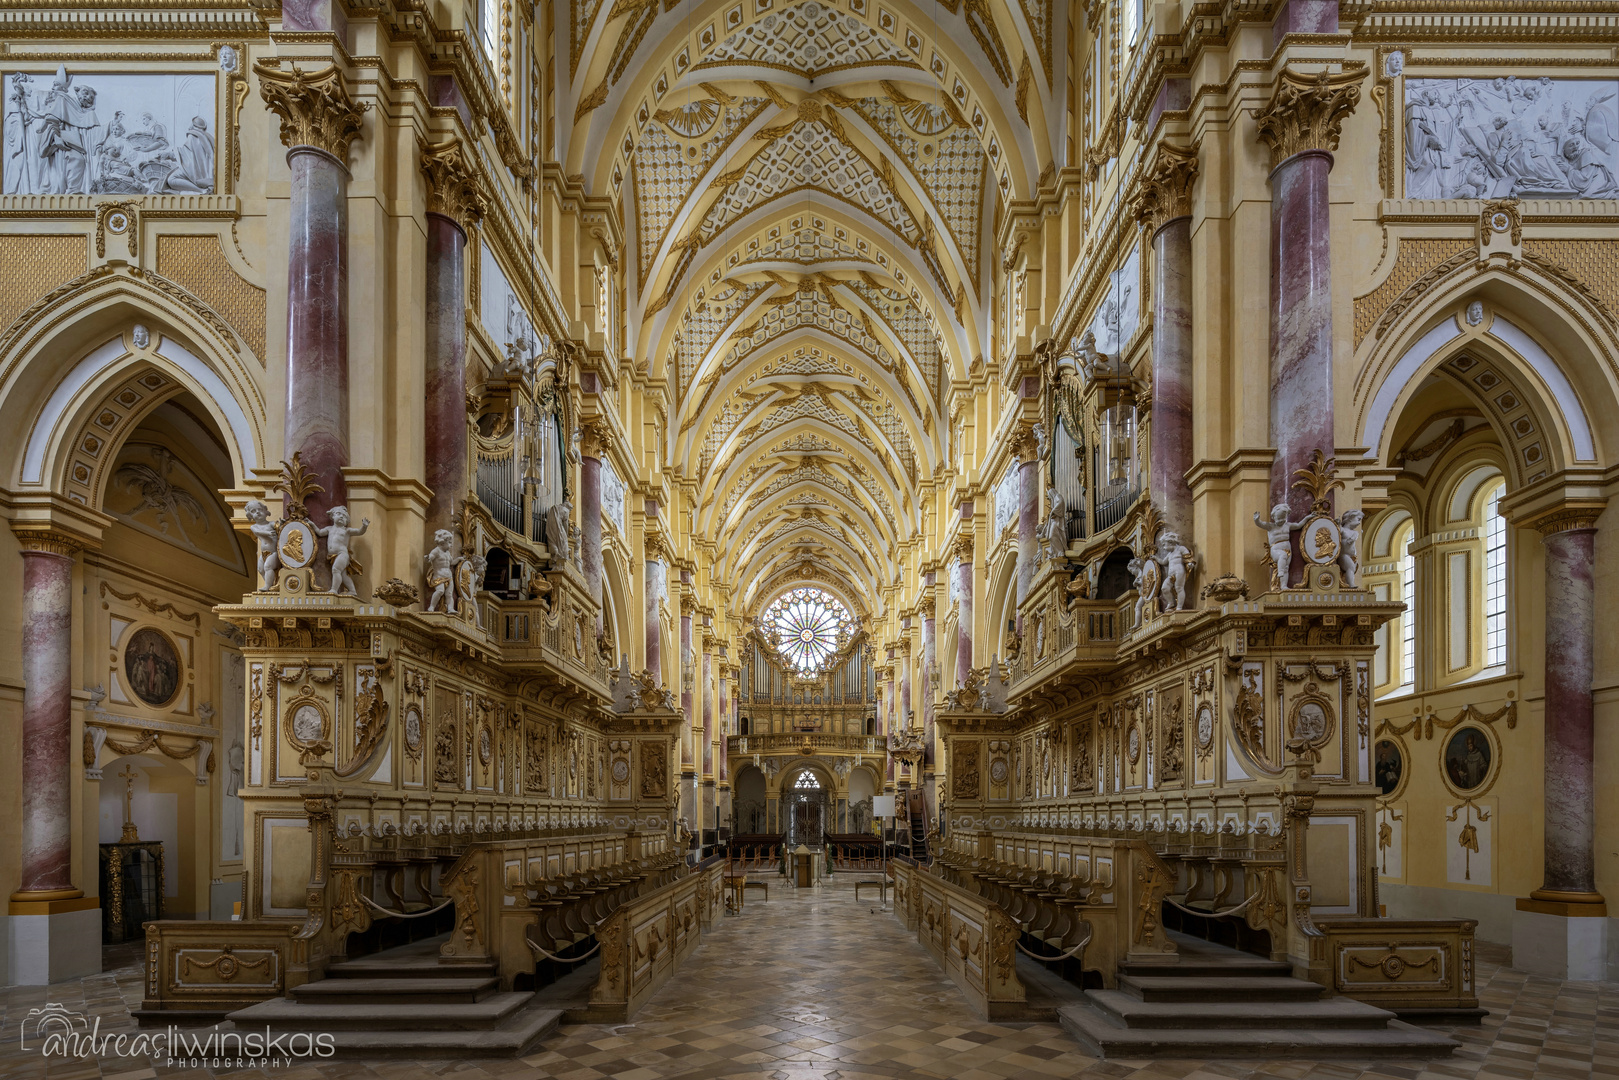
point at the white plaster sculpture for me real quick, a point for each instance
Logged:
(557, 518)
(1090, 361)
(441, 572)
(338, 536)
(1349, 547)
(468, 579)
(1053, 532)
(264, 534)
(1279, 539)
(1178, 563)
(1138, 570)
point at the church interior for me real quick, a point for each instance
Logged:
(811, 538)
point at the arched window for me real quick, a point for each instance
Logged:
(1408, 620)
(808, 626)
(1495, 579)
(807, 782)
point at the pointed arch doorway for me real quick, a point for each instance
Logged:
(806, 798)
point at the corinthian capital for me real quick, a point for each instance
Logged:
(1307, 113)
(595, 439)
(315, 108)
(453, 185)
(1165, 191)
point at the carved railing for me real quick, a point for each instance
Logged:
(1061, 632)
(500, 887)
(787, 742)
(970, 937)
(646, 939)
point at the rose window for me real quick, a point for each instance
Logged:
(808, 626)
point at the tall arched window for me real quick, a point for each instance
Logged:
(1408, 620)
(1495, 579)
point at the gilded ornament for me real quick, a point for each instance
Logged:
(314, 107)
(1308, 113)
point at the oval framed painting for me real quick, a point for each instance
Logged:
(152, 668)
(1468, 760)
(1388, 768)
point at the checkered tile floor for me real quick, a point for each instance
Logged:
(813, 986)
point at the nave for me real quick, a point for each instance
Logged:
(813, 985)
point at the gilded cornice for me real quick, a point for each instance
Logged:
(1164, 192)
(454, 188)
(315, 108)
(1307, 112)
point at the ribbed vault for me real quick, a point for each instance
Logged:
(808, 192)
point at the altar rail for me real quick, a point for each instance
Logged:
(970, 937)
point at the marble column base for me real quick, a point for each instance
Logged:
(51, 948)
(1572, 944)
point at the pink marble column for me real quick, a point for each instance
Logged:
(887, 724)
(708, 717)
(725, 724)
(1028, 515)
(904, 721)
(687, 757)
(1305, 17)
(1301, 323)
(1170, 454)
(590, 518)
(317, 419)
(964, 612)
(446, 411)
(654, 622)
(930, 667)
(47, 723)
(1570, 803)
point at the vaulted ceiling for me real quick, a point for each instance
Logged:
(809, 194)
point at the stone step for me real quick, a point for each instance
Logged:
(285, 1014)
(412, 1032)
(1339, 1012)
(409, 967)
(415, 990)
(1172, 988)
(1100, 1035)
(1219, 967)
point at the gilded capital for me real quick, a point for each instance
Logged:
(1165, 191)
(49, 542)
(1307, 113)
(315, 108)
(1024, 443)
(454, 188)
(1565, 518)
(963, 548)
(595, 439)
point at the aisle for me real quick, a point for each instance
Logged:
(807, 984)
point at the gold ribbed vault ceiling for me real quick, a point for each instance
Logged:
(809, 191)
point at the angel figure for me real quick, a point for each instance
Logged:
(1349, 547)
(1138, 574)
(1178, 563)
(441, 572)
(468, 577)
(1053, 532)
(338, 535)
(159, 494)
(1279, 538)
(265, 535)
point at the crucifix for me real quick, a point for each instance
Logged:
(130, 836)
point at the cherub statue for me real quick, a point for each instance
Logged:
(1053, 532)
(441, 572)
(265, 535)
(1349, 547)
(1178, 563)
(1090, 361)
(1279, 538)
(468, 579)
(1138, 572)
(337, 536)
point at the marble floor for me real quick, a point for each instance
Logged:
(815, 986)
